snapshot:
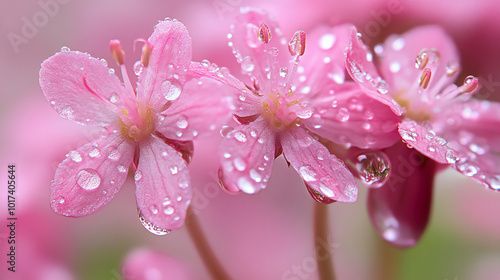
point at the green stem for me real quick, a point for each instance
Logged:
(208, 257)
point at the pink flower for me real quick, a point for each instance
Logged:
(439, 120)
(293, 95)
(151, 127)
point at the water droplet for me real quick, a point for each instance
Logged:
(467, 169)
(451, 156)
(326, 191)
(327, 41)
(493, 182)
(252, 35)
(166, 201)
(227, 155)
(151, 227)
(407, 136)
(253, 133)
(239, 163)
(183, 182)
(164, 154)
(138, 175)
(283, 71)
(113, 98)
(61, 200)
(307, 173)
(240, 136)
(305, 142)
(121, 168)
(395, 67)
(94, 153)
(343, 115)
(245, 186)
(247, 64)
(452, 68)
(225, 130)
(75, 156)
(379, 49)
(373, 168)
(171, 90)
(114, 154)
(260, 141)
(88, 179)
(174, 170)
(304, 111)
(318, 196)
(169, 211)
(67, 113)
(111, 71)
(369, 56)
(255, 175)
(153, 209)
(182, 122)
(205, 63)
(65, 49)
(138, 67)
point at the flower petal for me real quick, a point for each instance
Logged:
(344, 115)
(204, 106)
(165, 75)
(359, 63)
(471, 128)
(247, 156)
(320, 170)
(258, 59)
(400, 51)
(426, 141)
(323, 60)
(163, 190)
(90, 176)
(81, 88)
(246, 104)
(400, 209)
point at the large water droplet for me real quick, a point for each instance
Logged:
(247, 64)
(318, 196)
(171, 90)
(307, 173)
(245, 185)
(373, 168)
(239, 163)
(343, 115)
(88, 179)
(121, 168)
(169, 210)
(151, 227)
(493, 182)
(225, 130)
(65, 49)
(182, 122)
(467, 169)
(138, 67)
(114, 154)
(174, 170)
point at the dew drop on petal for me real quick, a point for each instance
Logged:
(239, 163)
(398, 44)
(467, 169)
(114, 155)
(373, 168)
(151, 227)
(493, 182)
(138, 175)
(171, 91)
(94, 153)
(153, 209)
(245, 186)
(240, 136)
(166, 201)
(174, 170)
(451, 156)
(67, 113)
(326, 191)
(75, 156)
(255, 175)
(318, 196)
(113, 98)
(247, 64)
(121, 168)
(182, 122)
(88, 179)
(283, 71)
(169, 210)
(225, 130)
(138, 67)
(307, 173)
(65, 49)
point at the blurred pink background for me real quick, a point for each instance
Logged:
(259, 236)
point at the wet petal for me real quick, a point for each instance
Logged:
(400, 51)
(425, 140)
(344, 115)
(359, 63)
(145, 264)
(81, 88)
(90, 176)
(400, 209)
(258, 59)
(163, 79)
(247, 156)
(163, 189)
(320, 170)
(471, 128)
(203, 107)
(323, 61)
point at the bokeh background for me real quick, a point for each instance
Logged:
(261, 236)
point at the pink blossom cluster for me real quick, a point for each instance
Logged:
(393, 121)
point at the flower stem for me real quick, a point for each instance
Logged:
(208, 257)
(325, 263)
(387, 261)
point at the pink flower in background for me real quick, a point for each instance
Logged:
(293, 94)
(151, 127)
(439, 120)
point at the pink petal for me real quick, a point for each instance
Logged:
(471, 128)
(80, 88)
(204, 106)
(90, 176)
(400, 52)
(163, 79)
(254, 55)
(145, 264)
(323, 61)
(400, 209)
(247, 156)
(345, 115)
(246, 102)
(426, 141)
(163, 189)
(361, 68)
(320, 170)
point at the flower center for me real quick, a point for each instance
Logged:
(136, 130)
(281, 112)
